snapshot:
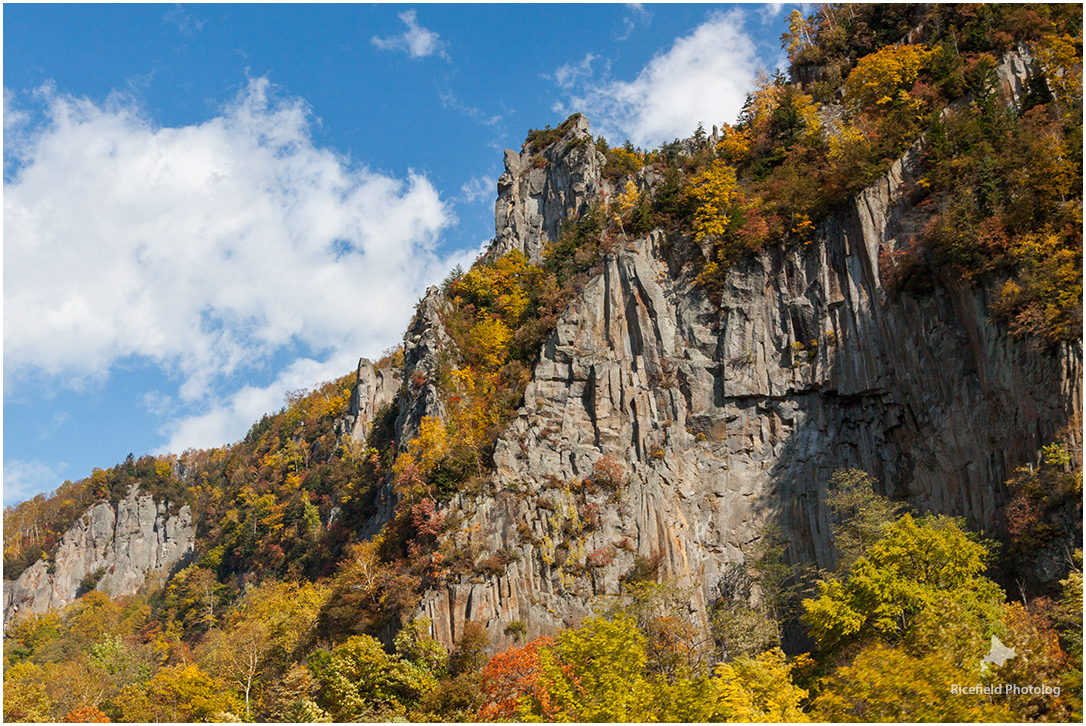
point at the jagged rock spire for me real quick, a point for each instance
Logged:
(542, 187)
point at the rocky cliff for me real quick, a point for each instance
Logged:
(666, 429)
(661, 425)
(540, 189)
(115, 546)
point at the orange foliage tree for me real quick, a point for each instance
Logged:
(509, 677)
(86, 714)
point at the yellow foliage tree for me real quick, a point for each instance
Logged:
(887, 684)
(423, 452)
(500, 287)
(625, 202)
(734, 144)
(798, 36)
(716, 192)
(882, 80)
(490, 339)
(599, 673)
(1062, 64)
(25, 696)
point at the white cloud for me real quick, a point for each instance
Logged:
(187, 23)
(204, 249)
(478, 189)
(13, 117)
(416, 41)
(704, 77)
(227, 419)
(637, 14)
(569, 73)
(24, 479)
(158, 403)
(770, 11)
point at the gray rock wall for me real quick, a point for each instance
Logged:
(125, 542)
(374, 389)
(538, 191)
(726, 420)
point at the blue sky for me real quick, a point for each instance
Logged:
(208, 206)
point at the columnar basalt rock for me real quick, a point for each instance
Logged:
(375, 388)
(540, 189)
(727, 417)
(118, 544)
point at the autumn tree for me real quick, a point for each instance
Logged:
(358, 679)
(594, 674)
(179, 693)
(86, 714)
(716, 193)
(240, 656)
(676, 644)
(1039, 659)
(469, 653)
(882, 80)
(25, 694)
(911, 568)
(598, 672)
(509, 677)
(195, 597)
(798, 36)
(883, 683)
(860, 515)
(415, 644)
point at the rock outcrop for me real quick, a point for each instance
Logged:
(541, 189)
(423, 344)
(721, 419)
(117, 545)
(375, 388)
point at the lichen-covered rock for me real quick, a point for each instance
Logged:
(119, 545)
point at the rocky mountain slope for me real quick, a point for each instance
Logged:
(670, 429)
(724, 420)
(111, 549)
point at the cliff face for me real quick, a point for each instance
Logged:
(122, 543)
(539, 190)
(722, 420)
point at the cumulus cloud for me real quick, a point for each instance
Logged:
(704, 77)
(416, 41)
(226, 419)
(204, 249)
